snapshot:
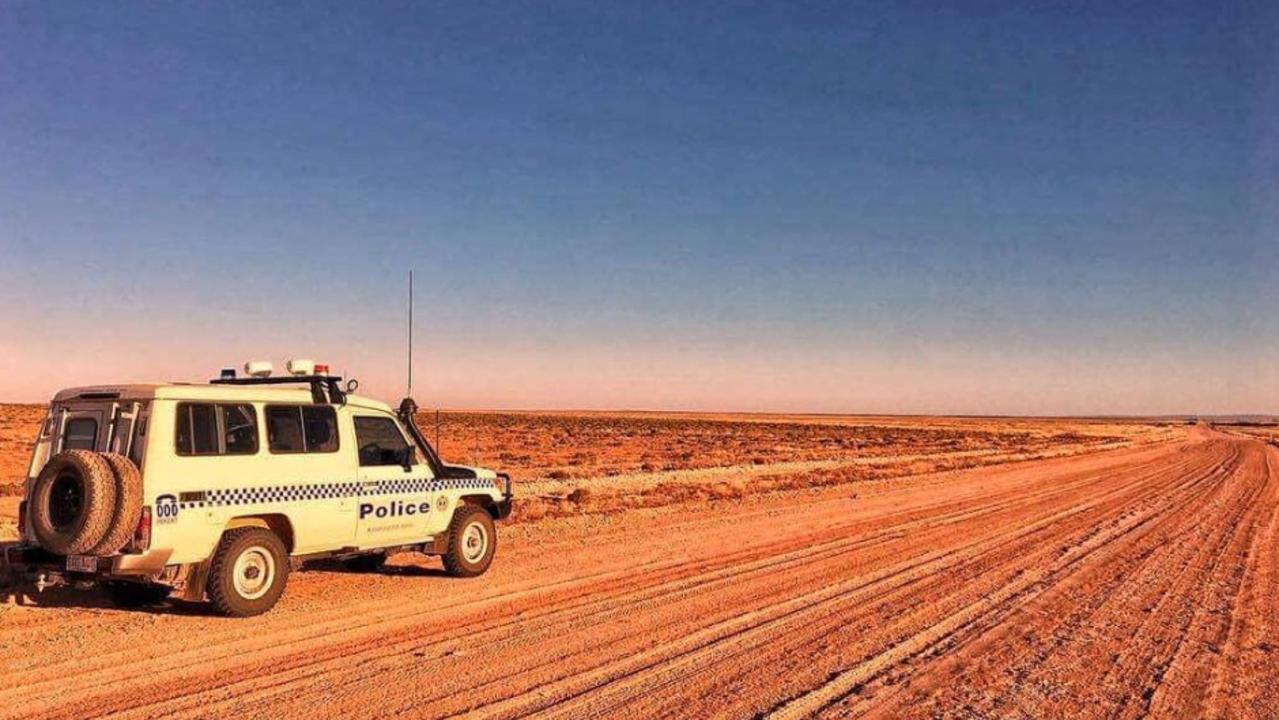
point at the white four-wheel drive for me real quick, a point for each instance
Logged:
(217, 490)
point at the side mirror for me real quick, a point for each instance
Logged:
(406, 459)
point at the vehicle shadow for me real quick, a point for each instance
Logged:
(413, 571)
(27, 595)
(336, 566)
(23, 591)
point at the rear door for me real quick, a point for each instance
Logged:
(75, 425)
(395, 503)
(123, 425)
(81, 426)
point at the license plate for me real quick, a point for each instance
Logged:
(82, 563)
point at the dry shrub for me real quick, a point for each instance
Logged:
(530, 509)
(726, 491)
(608, 504)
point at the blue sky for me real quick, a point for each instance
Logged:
(863, 207)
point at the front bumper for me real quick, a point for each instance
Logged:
(504, 508)
(504, 505)
(20, 562)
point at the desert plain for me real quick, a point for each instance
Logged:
(739, 566)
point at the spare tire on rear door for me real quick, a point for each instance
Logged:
(128, 505)
(73, 502)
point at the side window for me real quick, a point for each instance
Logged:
(197, 430)
(284, 429)
(380, 441)
(80, 434)
(320, 425)
(239, 429)
(208, 429)
(301, 428)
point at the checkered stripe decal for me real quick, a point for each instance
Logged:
(326, 491)
(417, 485)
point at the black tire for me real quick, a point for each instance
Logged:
(251, 593)
(136, 594)
(128, 504)
(365, 563)
(464, 558)
(73, 502)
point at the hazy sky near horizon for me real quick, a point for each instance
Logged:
(1048, 208)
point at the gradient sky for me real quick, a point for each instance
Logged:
(1069, 208)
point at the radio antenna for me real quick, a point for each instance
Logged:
(410, 390)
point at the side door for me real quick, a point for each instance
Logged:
(398, 488)
(308, 475)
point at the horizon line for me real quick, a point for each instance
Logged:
(1272, 417)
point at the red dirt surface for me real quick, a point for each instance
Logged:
(1120, 583)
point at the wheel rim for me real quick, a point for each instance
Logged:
(475, 542)
(66, 501)
(254, 572)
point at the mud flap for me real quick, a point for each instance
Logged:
(437, 545)
(196, 578)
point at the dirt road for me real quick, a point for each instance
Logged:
(1119, 584)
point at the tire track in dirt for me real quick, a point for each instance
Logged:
(1235, 689)
(1032, 581)
(684, 681)
(829, 613)
(1101, 587)
(1007, 692)
(1193, 674)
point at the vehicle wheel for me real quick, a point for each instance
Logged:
(472, 542)
(248, 572)
(136, 594)
(128, 504)
(365, 563)
(73, 502)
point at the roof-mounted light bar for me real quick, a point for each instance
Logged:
(325, 388)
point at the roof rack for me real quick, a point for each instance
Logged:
(324, 388)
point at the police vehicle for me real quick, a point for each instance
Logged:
(216, 491)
